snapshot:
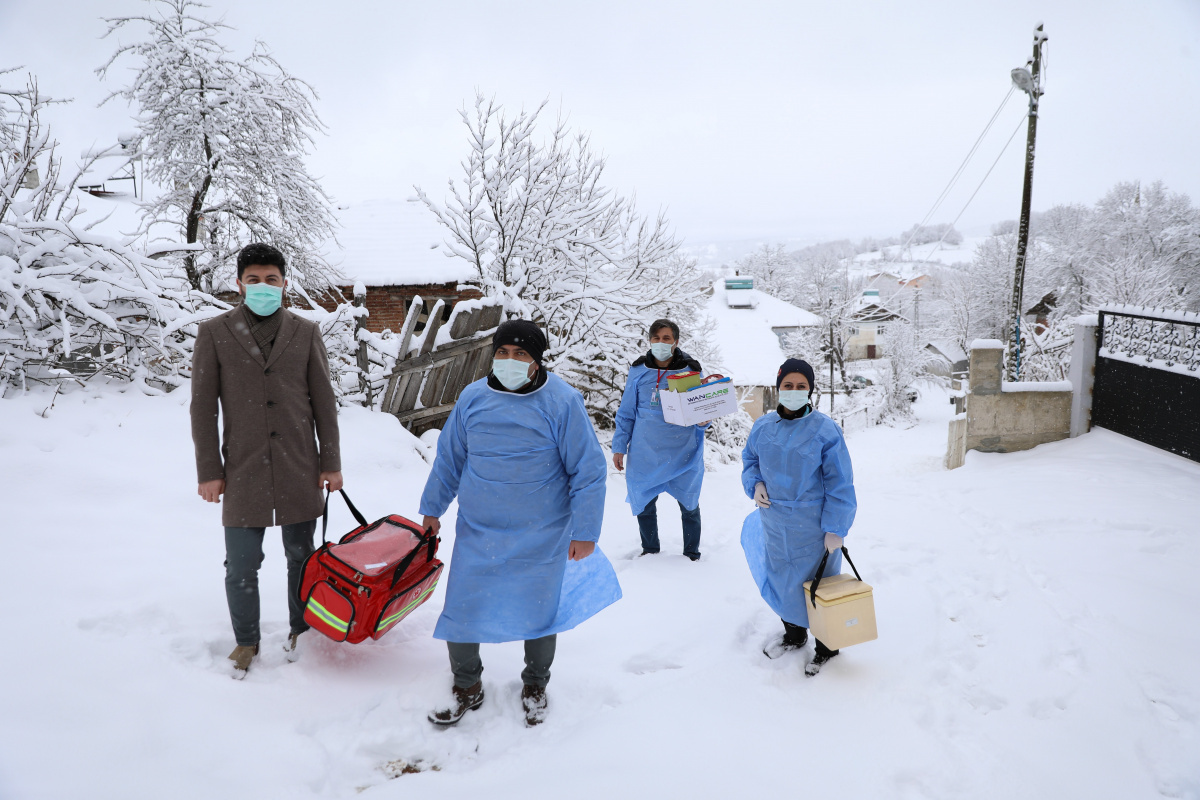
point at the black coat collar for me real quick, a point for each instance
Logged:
(680, 360)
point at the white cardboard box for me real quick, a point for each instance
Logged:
(699, 405)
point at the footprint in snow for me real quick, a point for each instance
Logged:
(644, 664)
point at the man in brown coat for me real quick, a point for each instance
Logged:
(268, 369)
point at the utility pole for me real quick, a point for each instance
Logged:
(1030, 82)
(831, 363)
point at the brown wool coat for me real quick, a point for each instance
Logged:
(270, 410)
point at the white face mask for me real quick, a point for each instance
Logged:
(662, 350)
(793, 399)
(513, 374)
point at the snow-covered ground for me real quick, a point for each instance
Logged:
(1036, 616)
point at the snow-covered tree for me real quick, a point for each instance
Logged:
(1147, 247)
(224, 139)
(773, 270)
(971, 302)
(74, 305)
(942, 232)
(544, 234)
(908, 364)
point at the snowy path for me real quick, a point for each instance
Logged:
(1034, 613)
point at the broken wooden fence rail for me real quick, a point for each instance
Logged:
(429, 377)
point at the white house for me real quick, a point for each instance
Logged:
(750, 327)
(870, 321)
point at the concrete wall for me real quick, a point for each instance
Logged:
(1002, 417)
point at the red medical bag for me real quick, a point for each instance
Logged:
(374, 577)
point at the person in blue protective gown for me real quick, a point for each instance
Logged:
(521, 455)
(661, 457)
(797, 469)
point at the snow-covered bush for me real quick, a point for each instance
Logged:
(74, 305)
(908, 364)
(545, 235)
(224, 139)
(360, 361)
(727, 435)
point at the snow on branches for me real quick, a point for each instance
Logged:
(75, 305)
(558, 247)
(225, 139)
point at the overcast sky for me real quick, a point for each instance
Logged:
(749, 120)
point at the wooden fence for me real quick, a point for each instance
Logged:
(429, 377)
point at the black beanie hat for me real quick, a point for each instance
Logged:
(796, 365)
(524, 334)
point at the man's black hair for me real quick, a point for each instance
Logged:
(659, 324)
(260, 254)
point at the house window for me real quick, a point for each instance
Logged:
(879, 330)
(854, 330)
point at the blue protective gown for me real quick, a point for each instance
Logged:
(660, 457)
(806, 468)
(529, 476)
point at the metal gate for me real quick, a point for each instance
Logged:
(1148, 378)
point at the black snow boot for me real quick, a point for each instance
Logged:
(465, 700)
(794, 637)
(822, 655)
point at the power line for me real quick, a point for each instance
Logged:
(961, 167)
(1011, 136)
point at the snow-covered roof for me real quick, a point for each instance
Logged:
(395, 243)
(952, 352)
(750, 348)
(869, 310)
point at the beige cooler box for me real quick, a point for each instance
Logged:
(844, 613)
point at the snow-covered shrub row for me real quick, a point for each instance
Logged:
(76, 306)
(558, 247)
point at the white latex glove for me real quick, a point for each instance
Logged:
(760, 495)
(833, 542)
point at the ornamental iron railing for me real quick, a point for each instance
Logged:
(1147, 382)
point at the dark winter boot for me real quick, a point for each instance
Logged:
(794, 637)
(465, 700)
(822, 655)
(533, 700)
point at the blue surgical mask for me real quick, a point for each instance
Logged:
(512, 373)
(263, 299)
(793, 399)
(662, 351)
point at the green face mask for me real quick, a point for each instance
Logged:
(263, 299)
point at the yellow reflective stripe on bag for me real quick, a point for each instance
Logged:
(400, 614)
(327, 616)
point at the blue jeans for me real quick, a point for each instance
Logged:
(648, 526)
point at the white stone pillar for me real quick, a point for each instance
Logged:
(1083, 372)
